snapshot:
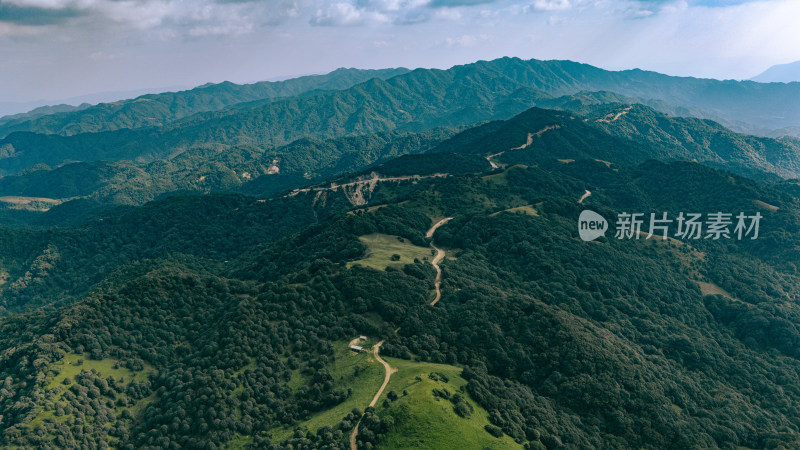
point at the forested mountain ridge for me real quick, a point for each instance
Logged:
(371, 107)
(628, 134)
(41, 111)
(210, 169)
(160, 109)
(225, 320)
(744, 106)
(266, 254)
(415, 101)
(612, 132)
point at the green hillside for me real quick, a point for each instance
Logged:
(432, 410)
(413, 101)
(623, 134)
(160, 109)
(539, 338)
(746, 105)
(218, 168)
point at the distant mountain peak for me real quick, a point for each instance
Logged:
(781, 73)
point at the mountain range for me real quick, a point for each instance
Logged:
(159, 109)
(395, 261)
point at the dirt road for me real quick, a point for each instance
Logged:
(366, 182)
(436, 259)
(386, 378)
(389, 370)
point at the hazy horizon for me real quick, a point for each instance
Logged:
(61, 49)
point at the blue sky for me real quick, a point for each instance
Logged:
(53, 49)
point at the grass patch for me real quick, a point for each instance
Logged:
(71, 365)
(364, 381)
(239, 441)
(296, 381)
(39, 204)
(428, 421)
(137, 408)
(385, 250)
(431, 421)
(527, 209)
(707, 288)
(502, 177)
(497, 178)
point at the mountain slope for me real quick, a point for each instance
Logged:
(41, 111)
(218, 169)
(745, 105)
(625, 134)
(418, 100)
(561, 342)
(160, 109)
(781, 73)
(611, 132)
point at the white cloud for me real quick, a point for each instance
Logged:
(181, 15)
(259, 39)
(139, 14)
(346, 14)
(396, 5)
(551, 5)
(366, 12)
(46, 4)
(675, 7)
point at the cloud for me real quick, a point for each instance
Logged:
(36, 15)
(704, 3)
(252, 39)
(346, 14)
(455, 3)
(195, 18)
(368, 12)
(551, 5)
(44, 4)
(174, 17)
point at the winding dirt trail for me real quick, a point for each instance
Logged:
(389, 371)
(353, 435)
(528, 143)
(491, 162)
(583, 197)
(614, 117)
(436, 259)
(373, 180)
